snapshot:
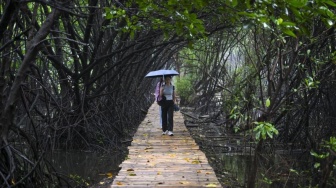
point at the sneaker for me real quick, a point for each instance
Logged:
(170, 133)
(164, 132)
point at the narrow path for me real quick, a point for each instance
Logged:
(157, 160)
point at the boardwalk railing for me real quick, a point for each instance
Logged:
(157, 160)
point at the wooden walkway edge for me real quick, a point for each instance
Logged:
(157, 160)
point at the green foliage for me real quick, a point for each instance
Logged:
(319, 156)
(173, 16)
(132, 23)
(294, 171)
(311, 83)
(182, 17)
(266, 179)
(240, 95)
(264, 129)
(184, 88)
(291, 17)
(235, 113)
(114, 13)
(331, 144)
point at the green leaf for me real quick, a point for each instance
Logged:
(297, 3)
(326, 12)
(258, 135)
(171, 2)
(276, 131)
(233, 3)
(330, 22)
(320, 156)
(250, 15)
(298, 14)
(294, 171)
(264, 130)
(291, 24)
(313, 154)
(331, 3)
(268, 102)
(279, 21)
(269, 134)
(289, 32)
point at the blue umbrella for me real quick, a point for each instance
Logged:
(159, 73)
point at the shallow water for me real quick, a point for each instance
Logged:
(89, 167)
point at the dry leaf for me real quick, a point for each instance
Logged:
(184, 182)
(109, 175)
(211, 185)
(172, 155)
(149, 147)
(195, 162)
(119, 183)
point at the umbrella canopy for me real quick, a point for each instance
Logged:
(159, 73)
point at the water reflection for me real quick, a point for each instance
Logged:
(275, 171)
(89, 166)
(236, 166)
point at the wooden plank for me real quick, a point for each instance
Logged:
(157, 160)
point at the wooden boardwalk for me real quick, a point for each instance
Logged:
(157, 160)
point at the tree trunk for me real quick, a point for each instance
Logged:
(254, 167)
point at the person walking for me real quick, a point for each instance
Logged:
(167, 110)
(157, 93)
